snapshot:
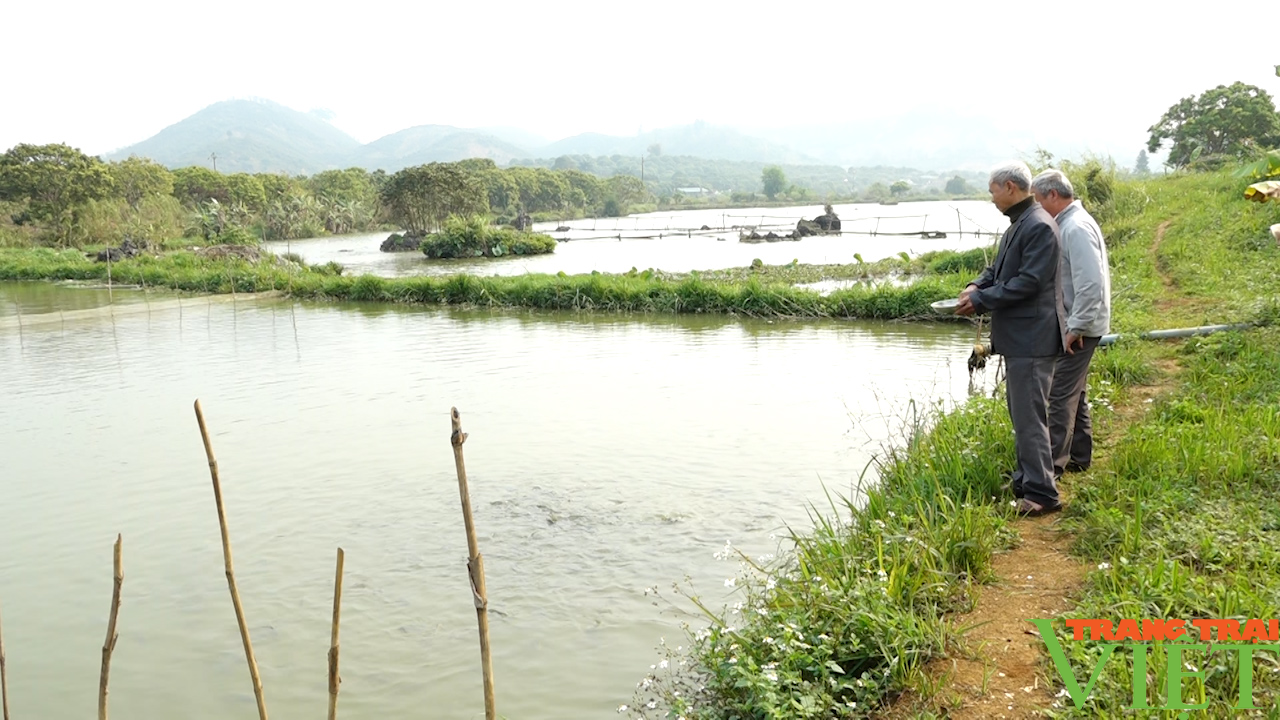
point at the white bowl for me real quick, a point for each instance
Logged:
(946, 307)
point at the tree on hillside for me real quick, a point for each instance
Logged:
(136, 178)
(958, 186)
(899, 187)
(421, 198)
(1233, 121)
(1142, 167)
(774, 181)
(54, 180)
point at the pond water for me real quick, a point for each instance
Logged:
(674, 241)
(607, 454)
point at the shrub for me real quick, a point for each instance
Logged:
(473, 237)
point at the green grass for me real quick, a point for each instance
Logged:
(1182, 523)
(646, 292)
(854, 613)
(475, 237)
(1182, 518)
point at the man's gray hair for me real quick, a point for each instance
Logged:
(1053, 180)
(1015, 172)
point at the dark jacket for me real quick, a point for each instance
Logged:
(1022, 289)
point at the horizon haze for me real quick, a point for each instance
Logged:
(1089, 77)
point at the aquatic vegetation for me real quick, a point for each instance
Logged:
(474, 237)
(646, 292)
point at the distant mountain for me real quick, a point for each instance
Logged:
(432, 143)
(248, 136)
(698, 139)
(263, 136)
(515, 136)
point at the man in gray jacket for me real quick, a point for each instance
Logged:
(1022, 292)
(1086, 296)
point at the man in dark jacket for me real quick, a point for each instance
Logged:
(1021, 290)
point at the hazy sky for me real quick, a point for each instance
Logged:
(102, 75)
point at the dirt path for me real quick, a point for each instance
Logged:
(997, 672)
(1169, 299)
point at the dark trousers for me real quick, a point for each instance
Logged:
(1027, 384)
(1070, 423)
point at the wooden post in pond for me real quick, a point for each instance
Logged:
(475, 569)
(334, 680)
(109, 645)
(231, 576)
(4, 680)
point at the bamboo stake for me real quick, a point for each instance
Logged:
(231, 577)
(475, 569)
(4, 680)
(334, 680)
(109, 645)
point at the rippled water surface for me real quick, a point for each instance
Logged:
(606, 455)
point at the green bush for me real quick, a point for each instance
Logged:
(473, 237)
(946, 262)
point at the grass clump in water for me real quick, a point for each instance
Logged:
(474, 237)
(645, 292)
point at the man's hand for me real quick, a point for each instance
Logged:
(1072, 341)
(966, 301)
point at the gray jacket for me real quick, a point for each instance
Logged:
(1021, 288)
(1086, 274)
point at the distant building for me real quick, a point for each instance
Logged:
(693, 191)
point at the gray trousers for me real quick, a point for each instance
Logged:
(1027, 384)
(1070, 423)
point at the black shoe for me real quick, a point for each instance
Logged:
(1075, 467)
(1026, 508)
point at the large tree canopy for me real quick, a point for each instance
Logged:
(136, 178)
(1235, 121)
(421, 198)
(53, 179)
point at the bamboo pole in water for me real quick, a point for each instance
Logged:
(109, 645)
(231, 576)
(334, 679)
(4, 680)
(112, 636)
(475, 569)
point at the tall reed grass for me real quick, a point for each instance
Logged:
(632, 292)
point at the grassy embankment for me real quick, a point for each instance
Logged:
(1178, 514)
(764, 291)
